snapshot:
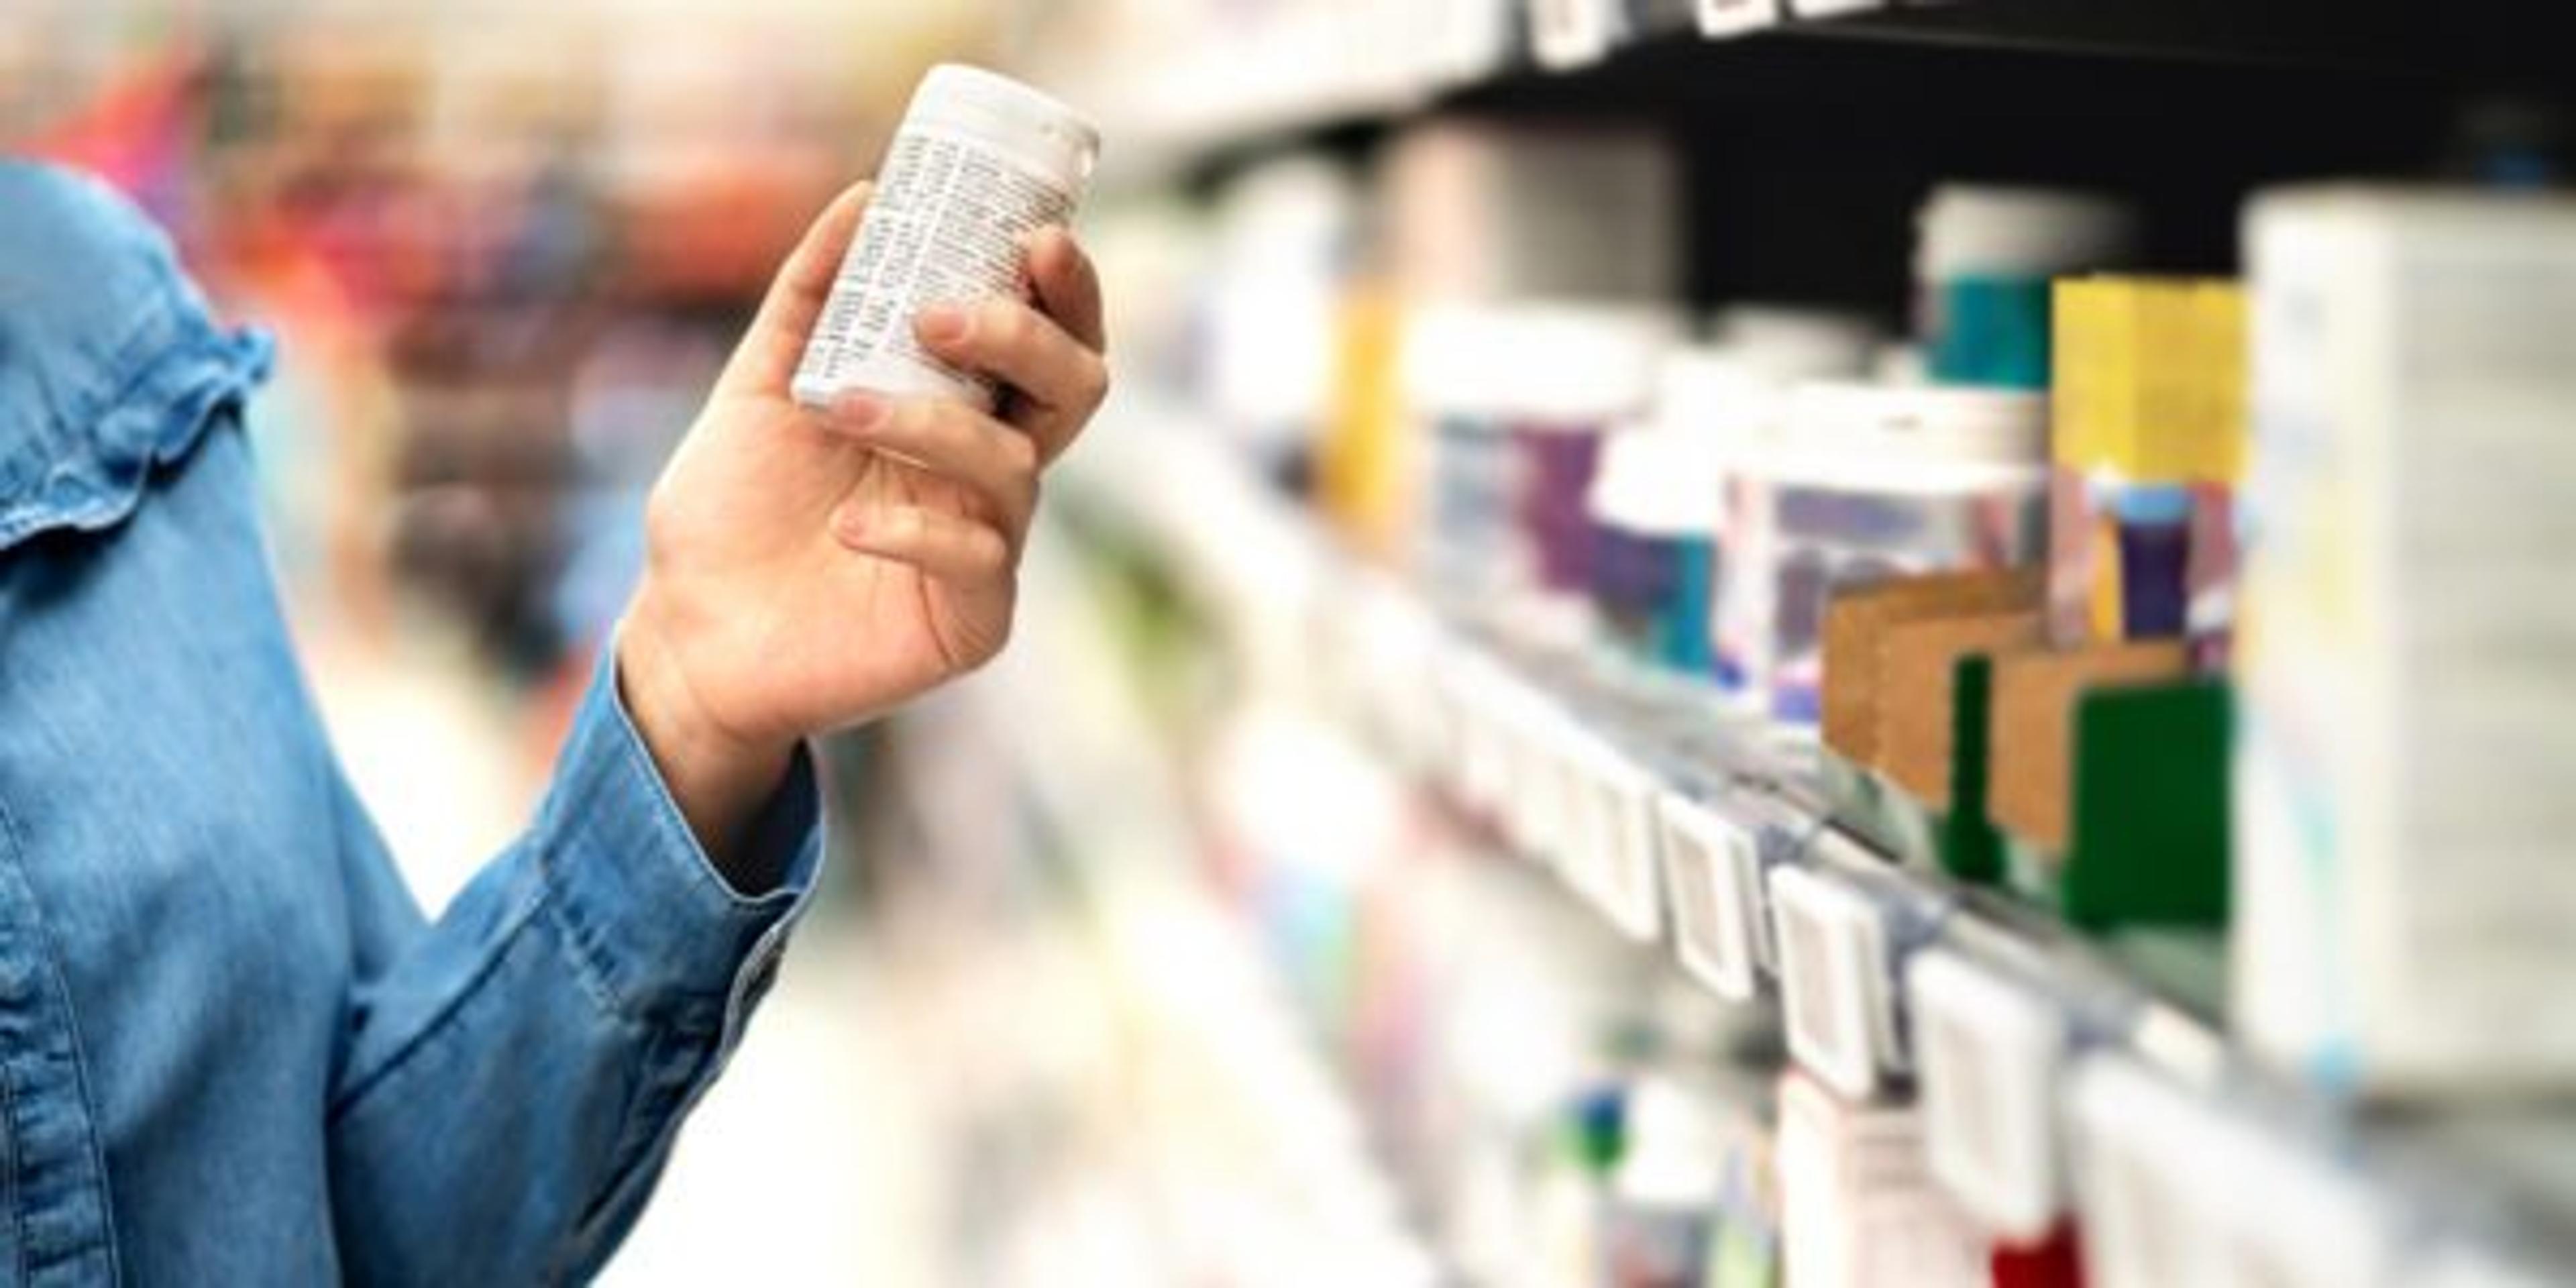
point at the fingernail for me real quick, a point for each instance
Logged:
(861, 412)
(944, 323)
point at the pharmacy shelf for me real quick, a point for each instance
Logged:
(1698, 832)
(2392, 74)
(2474, 40)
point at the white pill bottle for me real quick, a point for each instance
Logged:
(979, 163)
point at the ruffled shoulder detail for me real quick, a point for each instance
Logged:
(110, 362)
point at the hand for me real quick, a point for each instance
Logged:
(809, 570)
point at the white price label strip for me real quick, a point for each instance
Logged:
(1833, 979)
(1566, 843)
(1531, 802)
(2173, 1191)
(1564, 840)
(1571, 33)
(1712, 868)
(2459, 1266)
(1480, 727)
(1628, 890)
(1988, 1052)
(1395, 643)
(2140, 1149)
(1830, 8)
(1721, 18)
(2289, 1217)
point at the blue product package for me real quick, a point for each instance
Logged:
(1681, 634)
(2155, 560)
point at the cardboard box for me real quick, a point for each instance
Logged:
(1918, 667)
(2032, 789)
(1856, 625)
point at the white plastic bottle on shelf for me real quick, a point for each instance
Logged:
(1983, 262)
(1723, 398)
(979, 163)
(1267, 308)
(1471, 210)
(1575, 372)
(1864, 482)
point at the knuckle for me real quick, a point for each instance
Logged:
(952, 422)
(1019, 454)
(910, 419)
(989, 552)
(1093, 383)
(1010, 323)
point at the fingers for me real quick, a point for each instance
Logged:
(947, 547)
(766, 359)
(993, 462)
(1068, 287)
(1060, 379)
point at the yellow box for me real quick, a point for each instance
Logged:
(2149, 385)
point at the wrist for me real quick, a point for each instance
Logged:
(717, 774)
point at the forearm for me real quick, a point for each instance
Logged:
(518, 1068)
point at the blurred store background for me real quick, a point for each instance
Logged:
(1362, 869)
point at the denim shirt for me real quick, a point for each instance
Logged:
(232, 1050)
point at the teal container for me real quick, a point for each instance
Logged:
(1994, 332)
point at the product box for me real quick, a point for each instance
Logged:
(2147, 445)
(1857, 623)
(1919, 665)
(2406, 912)
(2035, 698)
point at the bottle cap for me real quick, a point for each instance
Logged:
(2019, 232)
(1029, 123)
(1926, 438)
(1657, 483)
(1792, 342)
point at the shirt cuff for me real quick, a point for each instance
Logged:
(648, 914)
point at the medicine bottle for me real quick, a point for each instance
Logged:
(980, 162)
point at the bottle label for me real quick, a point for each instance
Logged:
(945, 226)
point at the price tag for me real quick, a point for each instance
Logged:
(1575, 838)
(2459, 1265)
(1534, 804)
(2173, 1190)
(1472, 41)
(2141, 1160)
(1446, 749)
(1714, 873)
(2285, 1216)
(1480, 730)
(1833, 978)
(1568, 816)
(1721, 18)
(1829, 8)
(1627, 869)
(1392, 641)
(1572, 33)
(1988, 1052)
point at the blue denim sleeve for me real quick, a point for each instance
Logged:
(519, 1070)
(254, 1036)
